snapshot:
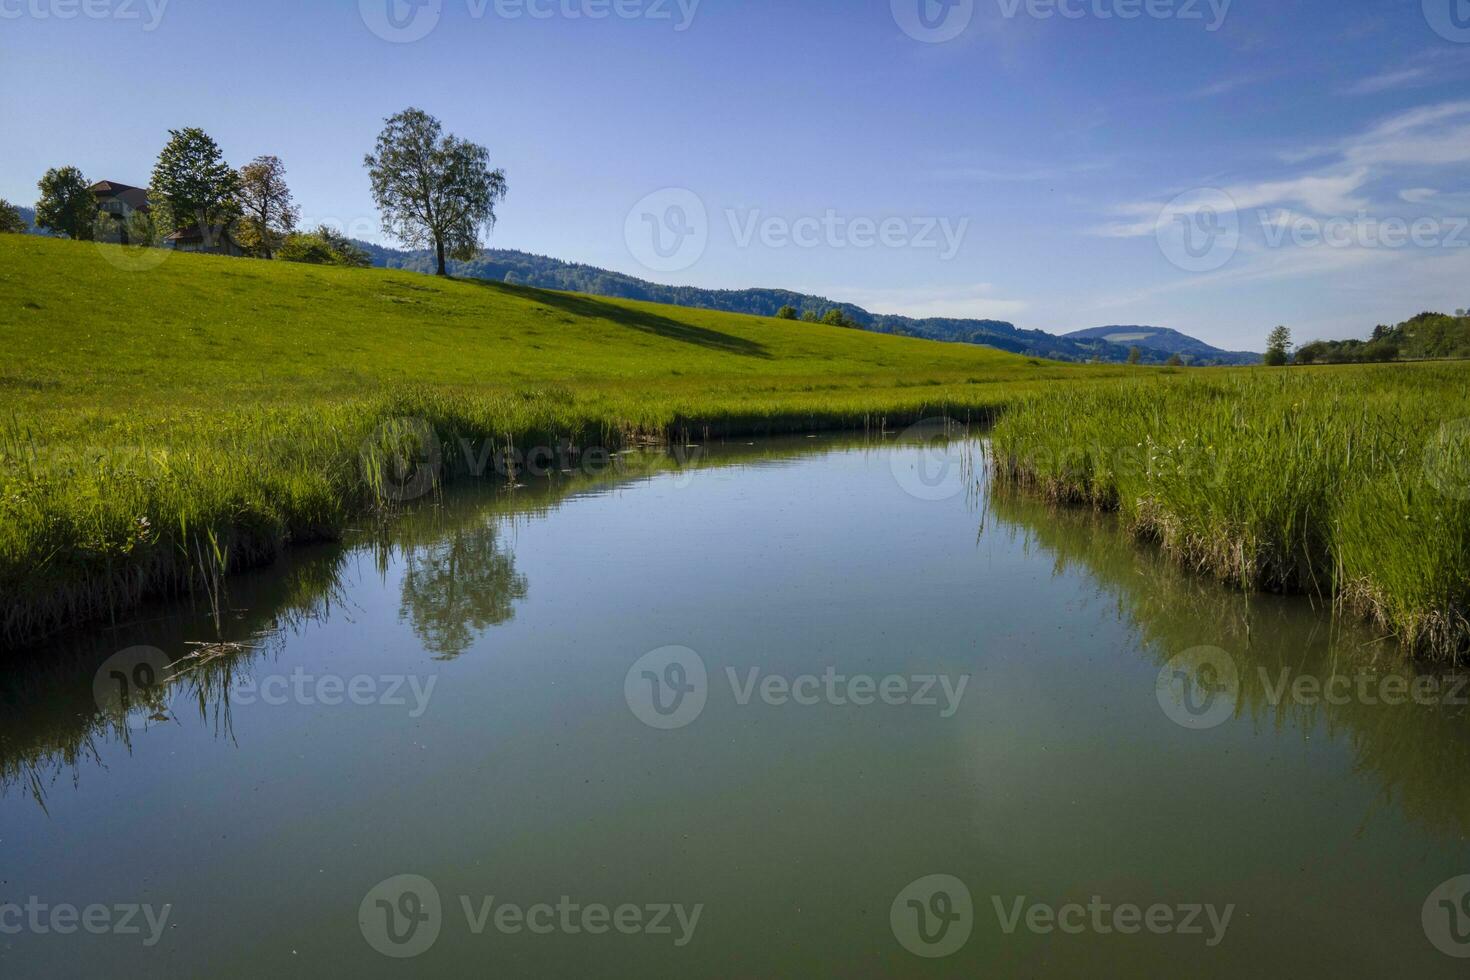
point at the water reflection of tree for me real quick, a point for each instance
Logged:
(457, 587)
(1415, 752)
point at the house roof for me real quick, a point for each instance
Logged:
(134, 197)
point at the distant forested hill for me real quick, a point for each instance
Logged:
(1427, 336)
(1167, 342)
(501, 265)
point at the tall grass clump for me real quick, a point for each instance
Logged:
(1351, 485)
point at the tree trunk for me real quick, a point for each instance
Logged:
(439, 244)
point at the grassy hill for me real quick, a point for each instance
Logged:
(161, 425)
(81, 332)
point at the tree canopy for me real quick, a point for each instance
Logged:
(269, 212)
(192, 180)
(434, 190)
(11, 223)
(67, 203)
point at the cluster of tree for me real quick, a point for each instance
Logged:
(325, 246)
(433, 190)
(1428, 336)
(834, 316)
(191, 187)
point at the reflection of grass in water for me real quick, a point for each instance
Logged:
(1415, 752)
(51, 723)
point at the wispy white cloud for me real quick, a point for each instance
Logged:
(1417, 195)
(1319, 193)
(1388, 80)
(975, 300)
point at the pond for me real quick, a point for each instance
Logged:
(827, 706)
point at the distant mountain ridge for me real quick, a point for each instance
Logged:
(526, 269)
(1166, 340)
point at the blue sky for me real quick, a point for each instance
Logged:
(1316, 153)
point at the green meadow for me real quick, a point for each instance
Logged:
(165, 425)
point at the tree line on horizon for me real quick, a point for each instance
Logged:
(432, 190)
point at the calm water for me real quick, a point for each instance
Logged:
(732, 722)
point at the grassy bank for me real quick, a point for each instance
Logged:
(1352, 484)
(162, 426)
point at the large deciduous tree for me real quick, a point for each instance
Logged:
(192, 180)
(432, 189)
(67, 203)
(269, 212)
